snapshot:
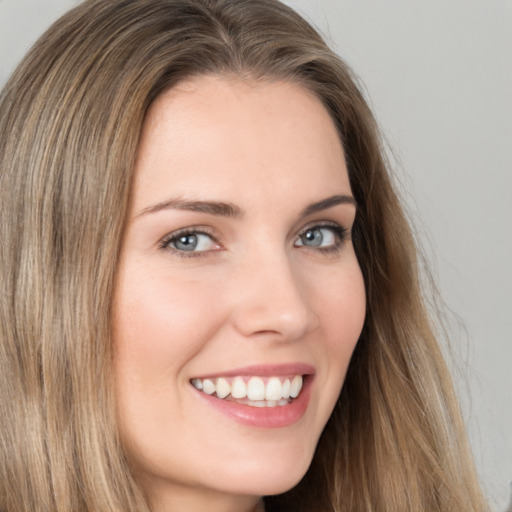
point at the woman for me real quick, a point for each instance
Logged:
(197, 223)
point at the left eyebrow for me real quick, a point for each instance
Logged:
(209, 207)
(329, 202)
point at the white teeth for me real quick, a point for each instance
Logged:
(197, 383)
(209, 387)
(238, 388)
(296, 386)
(286, 389)
(268, 403)
(255, 389)
(273, 389)
(223, 388)
(255, 392)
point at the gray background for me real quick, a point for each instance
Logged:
(438, 74)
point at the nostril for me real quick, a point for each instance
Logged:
(272, 322)
(271, 300)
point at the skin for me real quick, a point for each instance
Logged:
(253, 292)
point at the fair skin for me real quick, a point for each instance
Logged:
(237, 264)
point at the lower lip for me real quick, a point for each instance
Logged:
(265, 417)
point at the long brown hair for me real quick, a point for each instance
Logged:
(70, 121)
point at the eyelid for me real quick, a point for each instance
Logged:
(336, 226)
(164, 243)
(341, 233)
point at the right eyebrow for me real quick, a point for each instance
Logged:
(209, 207)
(329, 202)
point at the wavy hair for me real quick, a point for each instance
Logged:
(70, 122)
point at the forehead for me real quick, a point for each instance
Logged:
(218, 134)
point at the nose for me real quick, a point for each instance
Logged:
(271, 298)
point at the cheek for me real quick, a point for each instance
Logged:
(157, 332)
(342, 308)
(156, 321)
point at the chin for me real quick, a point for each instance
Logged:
(272, 476)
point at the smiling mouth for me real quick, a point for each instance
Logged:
(252, 391)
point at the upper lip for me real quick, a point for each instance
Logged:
(263, 370)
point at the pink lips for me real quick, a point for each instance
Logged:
(265, 417)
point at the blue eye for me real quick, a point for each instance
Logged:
(321, 237)
(190, 242)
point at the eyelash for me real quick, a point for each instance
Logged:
(166, 242)
(341, 234)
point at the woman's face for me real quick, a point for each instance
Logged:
(238, 282)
